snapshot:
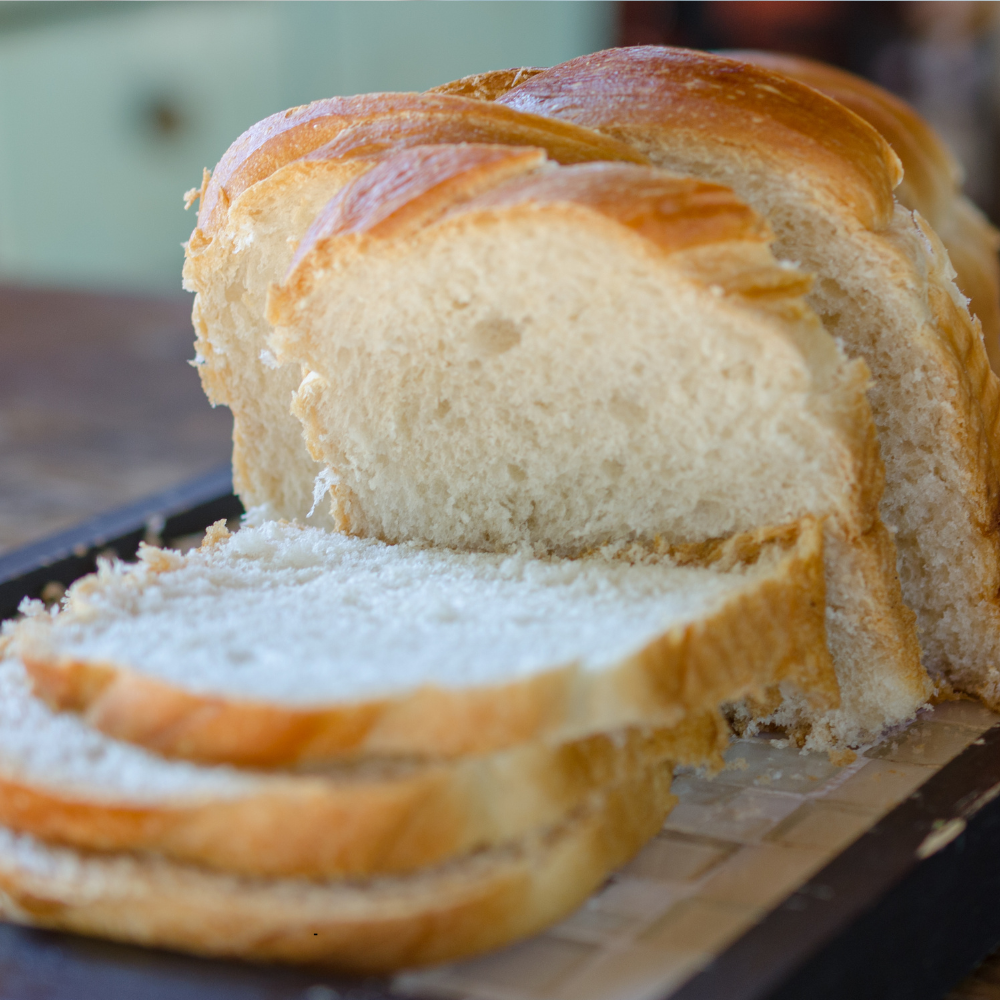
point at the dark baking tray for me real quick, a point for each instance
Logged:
(882, 920)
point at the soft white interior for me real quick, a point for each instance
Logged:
(534, 378)
(272, 468)
(300, 616)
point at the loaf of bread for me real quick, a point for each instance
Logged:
(281, 645)
(237, 251)
(824, 179)
(931, 184)
(583, 354)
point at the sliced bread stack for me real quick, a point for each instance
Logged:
(438, 751)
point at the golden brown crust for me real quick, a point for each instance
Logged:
(473, 123)
(621, 91)
(972, 245)
(289, 135)
(411, 188)
(487, 86)
(673, 213)
(376, 820)
(932, 181)
(771, 630)
(461, 909)
(931, 175)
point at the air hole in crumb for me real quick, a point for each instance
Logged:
(443, 408)
(710, 510)
(516, 473)
(493, 336)
(832, 288)
(629, 413)
(741, 372)
(612, 469)
(532, 522)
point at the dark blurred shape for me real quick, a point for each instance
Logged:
(942, 58)
(841, 33)
(815, 29)
(944, 62)
(162, 116)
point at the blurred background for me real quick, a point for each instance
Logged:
(109, 112)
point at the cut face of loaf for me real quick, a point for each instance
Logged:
(884, 287)
(66, 783)
(282, 644)
(255, 208)
(588, 354)
(932, 178)
(373, 925)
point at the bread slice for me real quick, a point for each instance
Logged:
(63, 781)
(824, 179)
(584, 354)
(374, 925)
(932, 177)
(258, 204)
(282, 644)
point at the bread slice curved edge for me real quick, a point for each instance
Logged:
(460, 909)
(376, 817)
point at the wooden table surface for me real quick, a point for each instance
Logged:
(98, 407)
